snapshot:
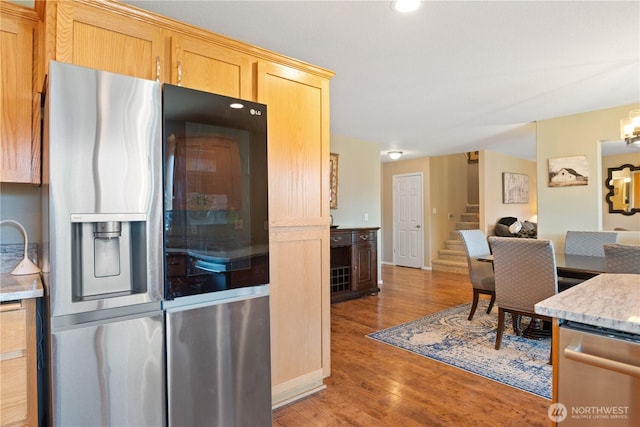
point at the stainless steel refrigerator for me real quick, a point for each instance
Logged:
(102, 249)
(217, 260)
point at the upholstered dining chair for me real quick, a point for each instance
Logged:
(525, 271)
(480, 273)
(587, 243)
(619, 258)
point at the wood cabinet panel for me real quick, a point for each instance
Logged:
(18, 384)
(13, 334)
(298, 153)
(299, 316)
(92, 37)
(297, 110)
(13, 391)
(19, 146)
(199, 64)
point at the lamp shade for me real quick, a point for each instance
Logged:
(26, 266)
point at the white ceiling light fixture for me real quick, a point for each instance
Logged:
(405, 6)
(630, 128)
(394, 155)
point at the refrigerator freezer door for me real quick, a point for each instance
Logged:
(219, 364)
(109, 373)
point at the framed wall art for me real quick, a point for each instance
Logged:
(568, 171)
(333, 183)
(515, 188)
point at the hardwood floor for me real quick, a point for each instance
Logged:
(374, 384)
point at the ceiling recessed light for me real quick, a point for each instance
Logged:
(405, 6)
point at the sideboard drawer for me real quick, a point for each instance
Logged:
(340, 238)
(363, 236)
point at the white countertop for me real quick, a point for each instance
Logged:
(20, 287)
(607, 301)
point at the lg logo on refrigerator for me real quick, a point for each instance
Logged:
(255, 112)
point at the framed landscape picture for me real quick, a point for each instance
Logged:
(568, 171)
(515, 188)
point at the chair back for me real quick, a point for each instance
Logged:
(588, 243)
(620, 258)
(480, 273)
(525, 272)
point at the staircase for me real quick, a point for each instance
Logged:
(453, 257)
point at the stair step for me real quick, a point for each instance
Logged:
(450, 266)
(454, 245)
(473, 208)
(469, 217)
(452, 255)
(461, 225)
(453, 235)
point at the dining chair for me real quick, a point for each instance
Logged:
(619, 258)
(480, 273)
(586, 243)
(525, 274)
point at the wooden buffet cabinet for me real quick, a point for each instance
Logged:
(354, 263)
(120, 38)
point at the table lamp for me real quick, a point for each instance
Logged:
(26, 266)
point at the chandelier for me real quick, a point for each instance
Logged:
(630, 128)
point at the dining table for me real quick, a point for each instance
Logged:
(569, 265)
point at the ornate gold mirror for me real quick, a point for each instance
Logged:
(624, 189)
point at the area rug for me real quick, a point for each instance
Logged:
(447, 336)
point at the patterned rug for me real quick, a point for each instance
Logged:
(448, 337)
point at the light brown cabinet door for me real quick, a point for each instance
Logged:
(298, 153)
(202, 65)
(99, 38)
(18, 387)
(19, 146)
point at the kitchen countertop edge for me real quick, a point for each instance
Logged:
(14, 288)
(607, 301)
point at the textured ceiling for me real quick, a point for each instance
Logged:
(452, 77)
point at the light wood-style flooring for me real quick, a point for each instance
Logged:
(375, 384)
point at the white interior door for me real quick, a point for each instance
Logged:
(408, 234)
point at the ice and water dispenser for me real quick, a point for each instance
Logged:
(109, 255)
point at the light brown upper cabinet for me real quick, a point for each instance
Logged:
(19, 139)
(106, 37)
(202, 65)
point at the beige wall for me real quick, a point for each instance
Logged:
(358, 182)
(492, 166)
(580, 207)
